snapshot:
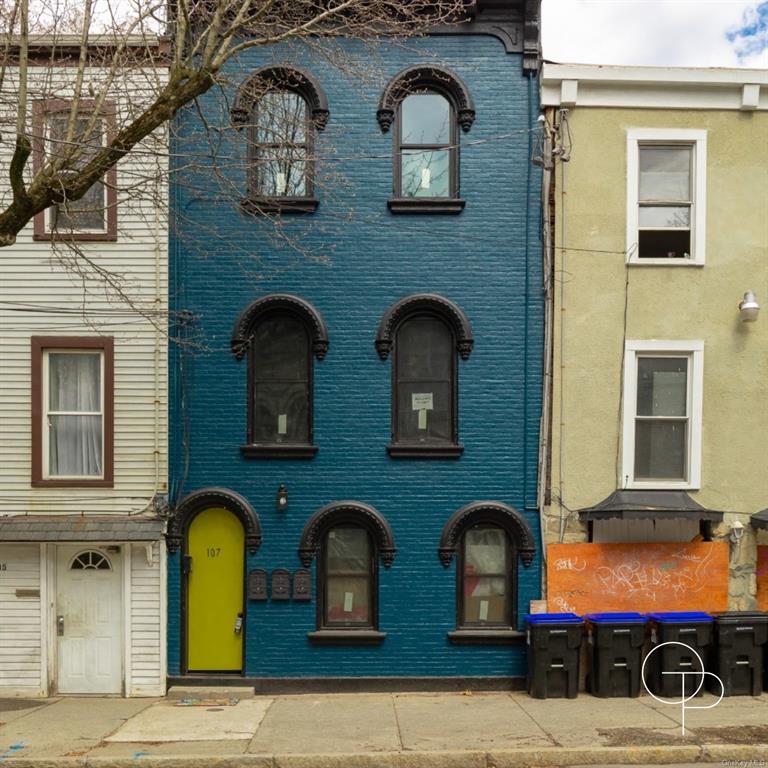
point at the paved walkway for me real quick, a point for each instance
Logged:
(404, 730)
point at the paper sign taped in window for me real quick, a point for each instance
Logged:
(422, 401)
(348, 601)
(282, 424)
(426, 178)
(422, 419)
(483, 610)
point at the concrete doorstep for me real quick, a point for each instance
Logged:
(470, 730)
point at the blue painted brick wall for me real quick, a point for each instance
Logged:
(487, 259)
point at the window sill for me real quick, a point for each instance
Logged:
(418, 451)
(76, 237)
(346, 637)
(72, 483)
(278, 450)
(258, 205)
(637, 262)
(662, 485)
(486, 637)
(448, 205)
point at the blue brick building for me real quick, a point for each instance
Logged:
(357, 392)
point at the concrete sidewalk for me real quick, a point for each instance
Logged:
(403, 730)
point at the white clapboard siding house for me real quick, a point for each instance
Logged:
(83, 394)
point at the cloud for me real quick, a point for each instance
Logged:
(671, 33)
(751, 38)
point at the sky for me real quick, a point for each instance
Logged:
(674, 33)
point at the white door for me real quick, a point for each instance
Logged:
(89, 620)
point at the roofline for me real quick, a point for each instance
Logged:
(592, 85)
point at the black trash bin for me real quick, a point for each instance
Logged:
(615, 653)
(694, 629)
(554, 646)
(737, 655)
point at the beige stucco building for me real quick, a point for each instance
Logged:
(657, 184)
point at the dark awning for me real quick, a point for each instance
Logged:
(644, 505)
(760, 519)
(80, 528)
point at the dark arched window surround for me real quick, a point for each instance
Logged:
(487, 515)
(206, 498)
(426, 80)
(347, 516)
(301, 316)
(244, 113)
(446, 317)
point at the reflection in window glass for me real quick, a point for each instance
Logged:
(665, 201)
(280, 360)
(426, 146)
(661, 425)
(347, 577)
(485, 586)
(280, 138)
(87, 213)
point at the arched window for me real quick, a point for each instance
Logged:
(487, 537)
(280, 333)
(348, 538)
(90, 561)
(282, 108)
(425, 332)
(427, 106)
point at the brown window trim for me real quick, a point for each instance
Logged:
(449, 206)
(40, 110)
(40, 345)
(346, 637)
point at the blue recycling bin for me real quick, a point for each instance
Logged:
(694, 630)
(554, 646)
(615, 653)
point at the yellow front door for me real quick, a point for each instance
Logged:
(216, 545)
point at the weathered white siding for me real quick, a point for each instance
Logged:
(116, 289)
(147, 676)
(20, 631)
(48, 291)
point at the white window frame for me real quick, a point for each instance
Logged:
(694, 351)
(46, 392)
(697, 140)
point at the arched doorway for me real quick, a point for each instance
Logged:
(214, 527)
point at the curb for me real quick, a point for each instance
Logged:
(550, 757)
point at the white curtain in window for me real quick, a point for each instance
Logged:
(74, 414)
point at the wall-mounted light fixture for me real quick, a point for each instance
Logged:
(281, 500)
(737, 532)
(748, 308)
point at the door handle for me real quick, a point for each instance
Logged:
(60, 626)
(239, 624)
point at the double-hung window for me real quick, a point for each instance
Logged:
(69, 144)
(662, 414)
(72, 423)
(666, 196)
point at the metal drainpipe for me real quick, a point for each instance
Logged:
(546, 400)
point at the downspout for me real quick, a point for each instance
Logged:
(547, 283)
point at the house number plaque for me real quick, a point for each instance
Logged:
(281, 584)
(257, 584)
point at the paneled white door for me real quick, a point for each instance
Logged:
(89, 620)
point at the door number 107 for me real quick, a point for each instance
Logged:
(213, 551)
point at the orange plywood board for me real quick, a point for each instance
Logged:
(586, 578)
(762, 578)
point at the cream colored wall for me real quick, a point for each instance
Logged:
(663, 302)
